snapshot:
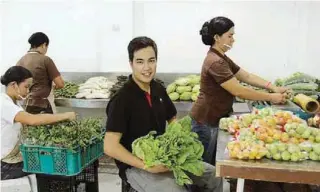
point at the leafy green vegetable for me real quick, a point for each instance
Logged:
(178, 148)
(181, 89)
(68, 91)
(185, 96)
(68, 134)
(171, 88)
(174, 96)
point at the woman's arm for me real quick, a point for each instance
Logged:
(236, 89)
(42, 119)
(257, 81)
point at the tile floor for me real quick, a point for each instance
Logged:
(112, 183)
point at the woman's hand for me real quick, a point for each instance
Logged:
(70, 116)
(278, 98)
(280, 90)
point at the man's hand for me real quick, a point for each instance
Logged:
(157, 169)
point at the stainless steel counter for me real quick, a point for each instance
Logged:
(102, 103)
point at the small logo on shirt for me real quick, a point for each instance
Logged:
(160, 99)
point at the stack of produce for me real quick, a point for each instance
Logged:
(121, 80)
(68, 91)
(303, 131)
(95, 88)
(246, 149)
(184, 88)
(69, 134)
(285, 136)
(300, 83)
(178, 149)
(293, 152)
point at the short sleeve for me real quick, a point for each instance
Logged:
(51, 68)
(9, 110)
(233, 66)
(171, 110)
(117, 115)
(220, 71)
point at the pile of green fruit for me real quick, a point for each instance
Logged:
(299, 131)
(184, 88)
(68, 91)
(68, 134)
(293, 152)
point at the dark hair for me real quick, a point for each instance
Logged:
(15, 74)
(139, 43)
(216, 26)
(38, 39)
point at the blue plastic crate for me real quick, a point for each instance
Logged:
(59, 161)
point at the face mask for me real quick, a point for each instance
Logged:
(19, 94)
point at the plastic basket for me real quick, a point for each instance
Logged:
(59, 161)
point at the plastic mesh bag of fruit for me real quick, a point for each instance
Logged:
(285, 152)
(246, 150)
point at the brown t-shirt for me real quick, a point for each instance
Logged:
(43, 71)
(214, 102)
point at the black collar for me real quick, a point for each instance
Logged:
(154, 87)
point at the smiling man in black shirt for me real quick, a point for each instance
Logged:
(140, 106)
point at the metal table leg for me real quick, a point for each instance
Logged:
(240, 185)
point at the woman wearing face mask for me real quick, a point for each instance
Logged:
(17, 81)
(45, 73)
(220, 78)
(219, 85)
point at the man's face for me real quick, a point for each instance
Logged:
(144, 65)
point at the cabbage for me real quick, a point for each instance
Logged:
(174, 96)
(181, 89)
(194, 96)
(196, 89)
(171, 88)
(194, 80)
(186, 96)
(183, 81)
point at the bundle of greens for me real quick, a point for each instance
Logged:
(178, 149)
(68, 91)
(69, 134)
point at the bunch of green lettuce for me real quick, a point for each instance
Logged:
(178, 149)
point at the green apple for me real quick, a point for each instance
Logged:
(277, 156)
(313, 156)
(316, 148)
(281, 147)
(306, 134)
(295, 157)
(300, 129)
(286, 156)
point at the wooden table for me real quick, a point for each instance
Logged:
(307, 172)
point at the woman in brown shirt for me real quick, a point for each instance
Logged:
(220, 78)
(44, 73)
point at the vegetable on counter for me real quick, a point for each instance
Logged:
(184, 88)
(68, 91)
(178, 149)
(95, 88)
(300, 83)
